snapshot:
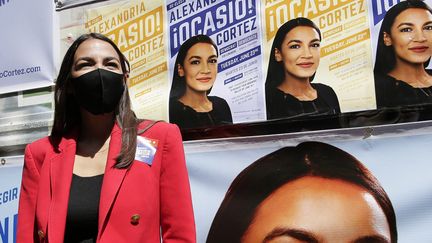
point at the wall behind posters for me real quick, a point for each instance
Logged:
(400, 161)
(26, 48)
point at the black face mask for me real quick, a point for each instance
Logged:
(98, 91)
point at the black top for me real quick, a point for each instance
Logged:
(83, 209)
(391, 92)
(283, 105)
(186, 117)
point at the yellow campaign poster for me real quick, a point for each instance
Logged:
(346, 53)
(137, 27)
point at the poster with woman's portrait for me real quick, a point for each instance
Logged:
(201, 64)
(340, 58)
(329, 186)
(215, 77)
(402, 40)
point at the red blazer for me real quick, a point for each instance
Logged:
(141, 204)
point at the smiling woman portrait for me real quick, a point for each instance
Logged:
(195, 73)
(403, 51)
(294, 59)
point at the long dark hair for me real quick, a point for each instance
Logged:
(275, 72)
(178, 86)
(385, 56)
(255, 183)
(67, 111)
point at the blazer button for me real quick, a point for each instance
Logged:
(41, 234)
(135, 219)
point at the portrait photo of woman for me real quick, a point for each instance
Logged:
(403, 52)
(313, 192)
(195, 71)
(294, 59)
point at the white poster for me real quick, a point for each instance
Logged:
(26, 46)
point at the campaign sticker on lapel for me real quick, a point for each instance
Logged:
(146, 150)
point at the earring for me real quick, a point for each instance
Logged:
(386, 39)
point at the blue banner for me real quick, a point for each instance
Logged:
(197, 17)
(380, 8)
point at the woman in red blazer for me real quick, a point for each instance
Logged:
(103, 175)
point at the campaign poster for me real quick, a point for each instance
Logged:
(400, 162)
(26, 47)
(137, 27)
(378, 10)
(401, 54)
(10, 183)
(235, 27)
(345, 64)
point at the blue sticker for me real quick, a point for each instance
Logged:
(145, 150)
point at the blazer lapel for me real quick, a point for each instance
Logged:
(112, 181)
(60, 180)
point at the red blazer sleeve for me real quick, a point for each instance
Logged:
(27, 201)
(177, 220)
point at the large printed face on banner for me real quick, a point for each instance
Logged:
(315, 209)
(411, 38)
(312, 192)
(300, 52)
(199, 68)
